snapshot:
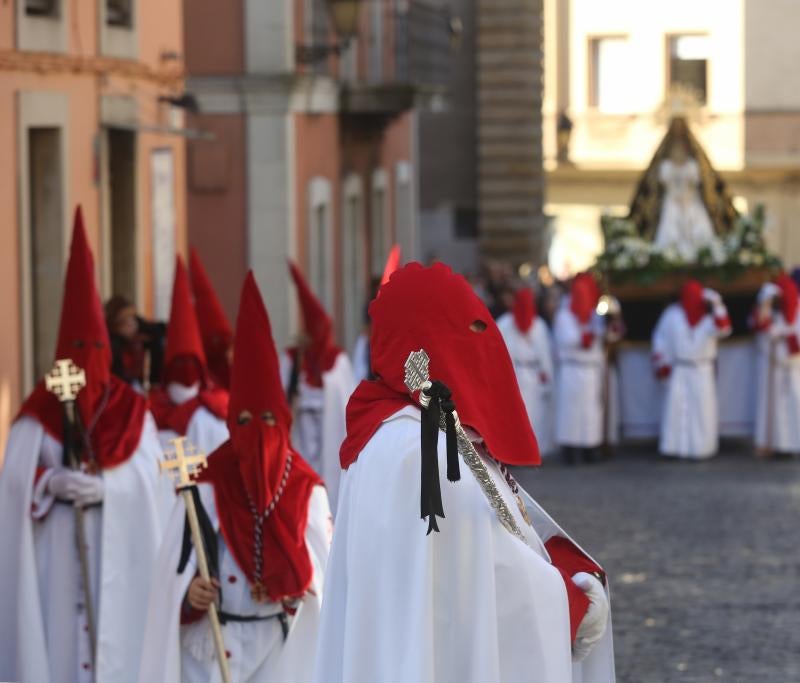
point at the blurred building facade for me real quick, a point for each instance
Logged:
(315, 152)
(483, 184)
(85, 119)
(616, 71)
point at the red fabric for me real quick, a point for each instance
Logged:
(722, 322)
(108, 408)
(321, 352)
(215, 329)
(790, 300)
(251, 464)
(183, 333)
(587, 339)
(584, 297)
(474, 365)
(176, 417)
(524, 309)
(759, 322)
(663, 372)
(392, 264)
(793, 344)
(569, 560)
(693, 303)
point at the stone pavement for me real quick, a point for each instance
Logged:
(704, 560)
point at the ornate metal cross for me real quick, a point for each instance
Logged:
(65, 380)
(183, 463)
(417, 372)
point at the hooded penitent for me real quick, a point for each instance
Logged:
(467, 353)
(392, 263)
(185, 370)
(321, 351)
(693, 303)
(584, 296)
(109, 411)
(789, 298)
(524, 309)
(261, 484)
(215, 329)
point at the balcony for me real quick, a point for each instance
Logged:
(411, 69)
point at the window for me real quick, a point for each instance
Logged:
(41, 8)
(610, 82)
(119, 13)
(353, 249)
(320, 266)
(45, 242)
(404, 209)
(378, 224)
(688, 65)
(375, 38)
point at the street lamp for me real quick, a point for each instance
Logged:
(345, 15)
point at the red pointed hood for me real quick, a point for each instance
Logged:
(111, 416)
(692, 302)
(258, 468)
(392, 263)
(524, 309)
(475, 365)
(321, 352)
(184, 358)
(82, 332)
(584, 297)
(789, 297)
(215, 330)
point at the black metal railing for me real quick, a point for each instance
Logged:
(423, 44)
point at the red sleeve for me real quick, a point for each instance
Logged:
(189, 615)
(723, 322)
(759, 323)
(794, 344)
(587, 339)
(569, 560)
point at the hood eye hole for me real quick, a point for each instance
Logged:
(244, 417)
(478, 326)
(99, 345)
(268, 418)
(78, 344)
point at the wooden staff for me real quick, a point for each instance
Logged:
(184, 462)
(65, 381)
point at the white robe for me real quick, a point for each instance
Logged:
(532, 355)
(471, 604)
(319, 419)
(258, 653)
(42, 623)
(778, 389)
(689, 422)
(205, 431)
(581, 384)
(684, 224)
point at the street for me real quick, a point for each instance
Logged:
(703, 561)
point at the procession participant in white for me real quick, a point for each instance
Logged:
(475, 602)
(44, 617)
(529, 345)
(267, 528)
(318, 379)
(684, 354)
(777, 323)
(214, 326)
(187, 403)
(580, 336)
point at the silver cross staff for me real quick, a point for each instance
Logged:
(417, 378)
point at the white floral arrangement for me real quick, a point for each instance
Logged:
(626, 251)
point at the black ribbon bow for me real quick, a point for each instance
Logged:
(431, 499)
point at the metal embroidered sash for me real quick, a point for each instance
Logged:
(417, 378)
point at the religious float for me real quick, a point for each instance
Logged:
(682, 224)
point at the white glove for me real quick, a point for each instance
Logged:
(84, 489)
(595, 620)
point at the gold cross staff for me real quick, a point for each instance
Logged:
(65, 380)
(186, 461)
(183, 463)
